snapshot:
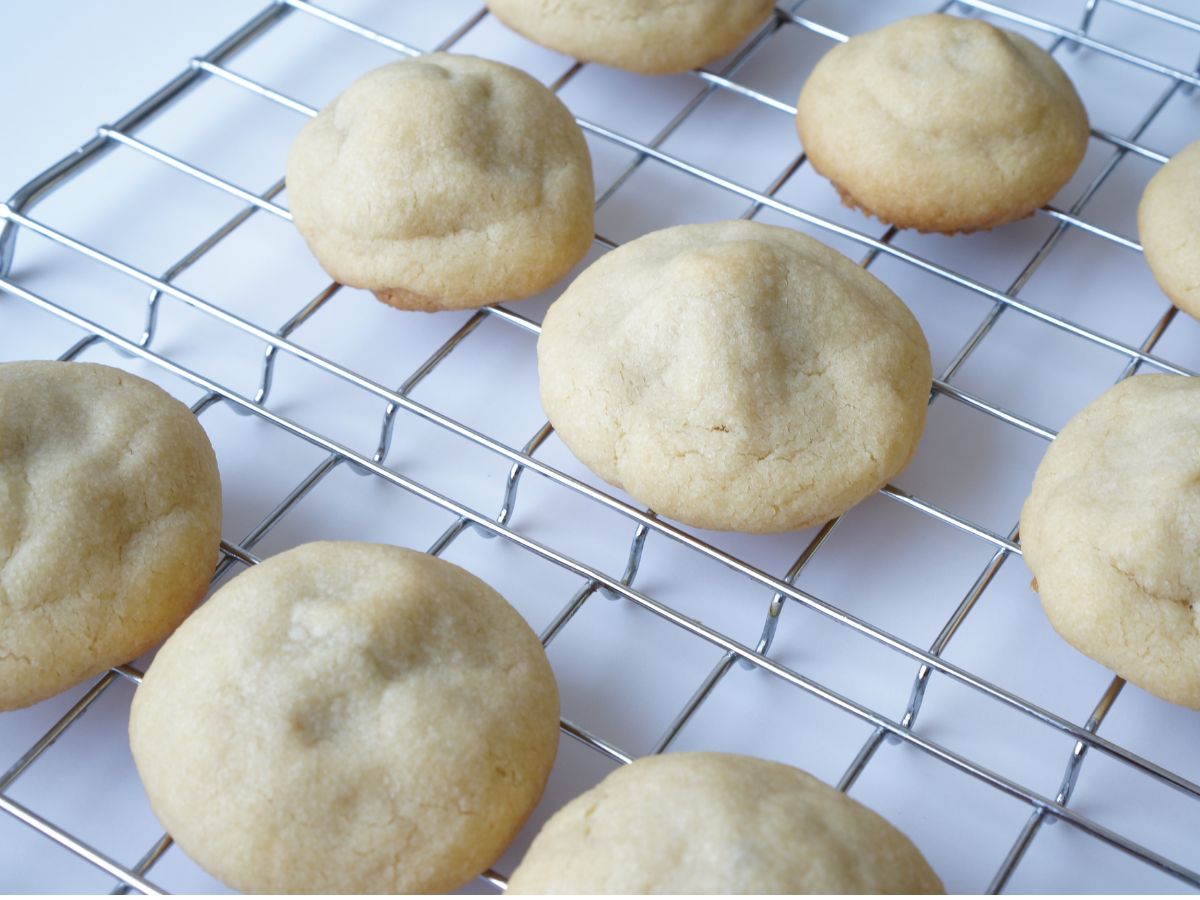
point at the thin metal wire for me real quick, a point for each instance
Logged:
(776, 605)
(698, 629)
(1063, 217)
(1156, 12)
(1013, 858)
(311, 480)
(1103, 706)
(1082, 39)
(650, 151)
(913, 259)
(968, 603)
(985, 578)
(87, 154)
(17, 769)
(605, 499)
(213, 64)
(947, 633)
(941, 514)
(195, 171)
(85, 851)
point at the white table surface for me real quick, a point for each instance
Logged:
(68, 67)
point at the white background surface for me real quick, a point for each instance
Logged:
(624, 673)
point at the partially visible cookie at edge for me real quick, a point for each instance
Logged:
(718, 823)
(655, 37)
(347, 718)
(110, 522)
(1110, 530)
(1169, 228)
(941, 123)
(443, 182)
(735, 375)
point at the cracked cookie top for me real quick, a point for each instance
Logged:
(942, 124)
(1109, 531)
(735, 375)
(110, 522)
(443, 182)
(347, 718)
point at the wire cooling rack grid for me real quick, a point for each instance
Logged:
(896, 652)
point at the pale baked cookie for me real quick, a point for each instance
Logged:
(942, 124)
(1110, 531)
(110, 522)
(1169, 227)
(716, 823)
(650, 36)
(347, 718)
(735, 375)
(443, 182)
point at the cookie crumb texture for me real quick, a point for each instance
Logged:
(1110, 532)
(1169, 227)
(735, 376)
(347, 718)
(717, 823)
(654, 37)
(110, 522)
(944, 124)
(443, 182)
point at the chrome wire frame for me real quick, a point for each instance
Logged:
(777, 592)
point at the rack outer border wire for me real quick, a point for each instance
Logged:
(213, 64)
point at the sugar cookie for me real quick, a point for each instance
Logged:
(347, 718)
(443, 182)
(942, 124)
(716, 823)
(1169, 227)
(1110, 529)
(110, 522)
(735, 375)
(651, 36)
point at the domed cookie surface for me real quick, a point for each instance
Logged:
(1110, 530)
(717, 823)
(942, 124)
(650, 36)
(347, 718)
(1169, 228)
(110, 522)
(735, 375)
(443, 182)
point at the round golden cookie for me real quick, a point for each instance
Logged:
(735, 375)
(716, 823)
(347, 718)
(443, 182)
(651, 36)
(110, 522)
(1169, 227)
(942, 124)
(1110, 530)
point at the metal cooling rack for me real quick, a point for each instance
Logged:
(928, 664)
